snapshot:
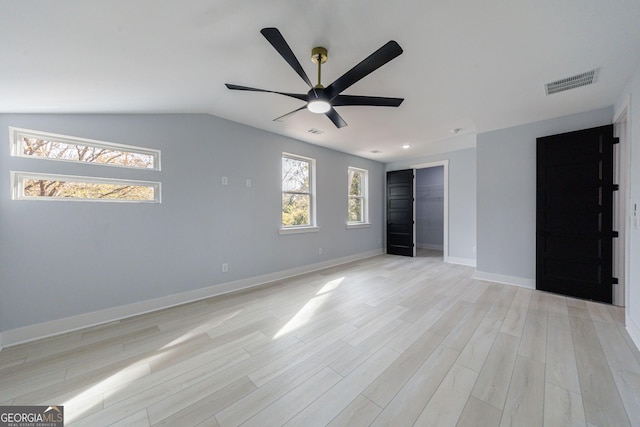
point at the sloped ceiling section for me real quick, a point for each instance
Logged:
(468, 65)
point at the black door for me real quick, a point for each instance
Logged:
(575, 214)
(400, 212)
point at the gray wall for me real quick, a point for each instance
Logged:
(59, 259)
(462, 199)
(507, 192)
(430, 207)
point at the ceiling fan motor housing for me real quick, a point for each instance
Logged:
(319, 54)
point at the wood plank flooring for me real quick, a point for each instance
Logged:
(386, 341)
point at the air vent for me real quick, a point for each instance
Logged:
(571, 82)
(315, 131)
(376, 151)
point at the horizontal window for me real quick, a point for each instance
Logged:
(35, 144)
(38, 186)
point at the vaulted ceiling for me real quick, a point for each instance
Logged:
(468, 65)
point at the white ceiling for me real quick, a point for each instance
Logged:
(474, 65)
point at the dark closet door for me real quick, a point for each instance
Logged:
(575, 214)
(400, 212)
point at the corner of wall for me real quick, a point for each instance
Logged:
(633, 330)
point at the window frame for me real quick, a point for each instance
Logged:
(16, 136)
(18, 178)
(312, 226)
(364, 197)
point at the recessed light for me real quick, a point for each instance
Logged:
(405, 146)
(455, 131)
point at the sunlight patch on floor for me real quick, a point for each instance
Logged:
(330, 286)
(80, 404)
(307, 311)
(200, 329)
(84, 401)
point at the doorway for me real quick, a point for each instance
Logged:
(429, 215)
(443, 166)
(401, 206)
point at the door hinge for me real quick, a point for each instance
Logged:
(616, 140)
(614, 280)
(615, 234)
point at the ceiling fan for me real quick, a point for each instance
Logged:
(320, 99)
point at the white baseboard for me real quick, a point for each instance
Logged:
(633, 329)
(506, 280)
(429, 246)
(73, 323)
(462, 261)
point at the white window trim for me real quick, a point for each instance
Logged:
(312, 227)
(16, 135)
(298, 229)
(365, 199)
(358, 225)
(18, 177)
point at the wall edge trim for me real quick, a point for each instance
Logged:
(471, 262)
(505, 280)
(64, 325)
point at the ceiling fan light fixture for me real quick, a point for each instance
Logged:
(318, 106)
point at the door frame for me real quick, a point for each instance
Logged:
(621, 160)
(445, 237)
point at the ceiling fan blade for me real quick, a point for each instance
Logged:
(300, 96)
(274, 37)
(368, 65)
(289, 114)
(373, 101)
(335, 118)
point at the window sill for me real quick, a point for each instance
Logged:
(299, 230)
(359, 225)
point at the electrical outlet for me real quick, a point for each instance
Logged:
(319, 251)
(225, 267)
(248, 183)
(225, 180)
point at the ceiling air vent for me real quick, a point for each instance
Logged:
(571, 82)
(315, 131)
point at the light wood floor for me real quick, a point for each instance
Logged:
(388, 341)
